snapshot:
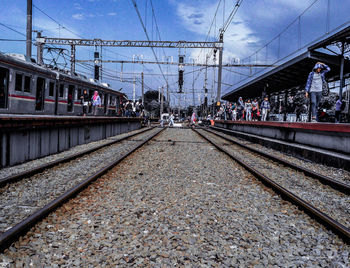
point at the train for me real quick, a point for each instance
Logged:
(29, 88)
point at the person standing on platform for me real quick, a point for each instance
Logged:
(265, 108)
(248, 109)
(234, 111)
(85, 100)
(255, 107)
(96, 102)
(338, 107)
(240, 109)
(314, 87)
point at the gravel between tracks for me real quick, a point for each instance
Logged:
(8, 171)
(323, 197)
(332, 172)
(20, 199)
(178, 203)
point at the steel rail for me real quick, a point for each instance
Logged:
(337, 227)
(12, 234)
(338, 185)
(38, 169)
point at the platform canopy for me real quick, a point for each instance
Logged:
(294, 72)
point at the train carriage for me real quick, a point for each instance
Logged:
(28, 88)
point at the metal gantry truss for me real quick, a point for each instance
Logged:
(128, 43)
(184, 64)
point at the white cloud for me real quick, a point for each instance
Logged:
(112, 14)
(78, 16)
(51, 29)
(198, 20)
(77, 6)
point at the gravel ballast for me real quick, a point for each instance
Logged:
(22, 198)
(178, 202)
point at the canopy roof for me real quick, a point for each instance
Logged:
(294, 72)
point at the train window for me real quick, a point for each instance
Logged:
(61, 90)
(19, 82)
(27, 84)
(51, 89)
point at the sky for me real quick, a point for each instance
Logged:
(255, 24)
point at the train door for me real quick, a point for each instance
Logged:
(70, 98)
(40, 94)
(56, 98)
(91, 93)
(4, 78)
(105, 103)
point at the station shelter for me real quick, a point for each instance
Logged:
(288, 79)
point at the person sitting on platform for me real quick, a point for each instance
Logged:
(314, 87)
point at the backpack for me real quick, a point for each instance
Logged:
(342, 107)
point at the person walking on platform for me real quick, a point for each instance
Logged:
(96, 102)
(171, 120)
(265, 108)
(248, 109)
(193, 119)
(313, 86)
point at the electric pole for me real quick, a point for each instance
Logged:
(142, 90)
(29, 29)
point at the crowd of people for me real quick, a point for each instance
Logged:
(132, 108)
(248, 110)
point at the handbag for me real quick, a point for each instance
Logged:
(325, 88)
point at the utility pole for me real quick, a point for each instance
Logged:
(193, 97)
(29, 29)
(218, 96)
(133, 90)
(161, 101)
(205, 87)
(142, 90)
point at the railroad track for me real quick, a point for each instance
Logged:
(43, 192)
(324, 198)
(35, 170)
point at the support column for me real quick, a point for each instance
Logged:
(341, 85)
(39, 45)
(72, 59)
(29, 29)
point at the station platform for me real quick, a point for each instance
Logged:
(319, 142)
(28, 137)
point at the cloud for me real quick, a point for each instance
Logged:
(196, 16)
(78, 16)
(51, 29)
(112, 14)
(198, 20)
(77, 6)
